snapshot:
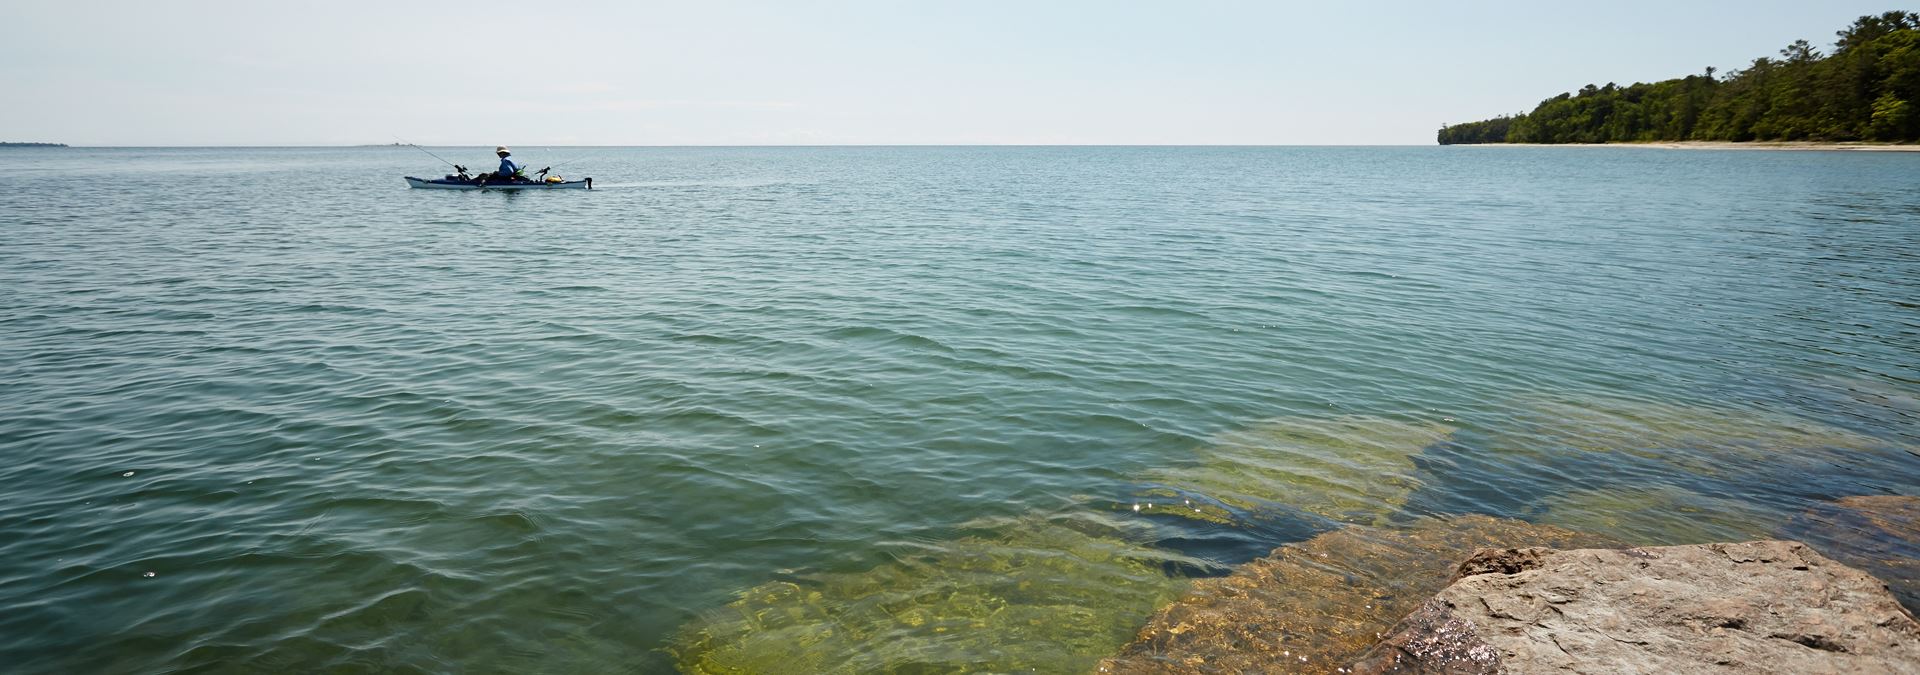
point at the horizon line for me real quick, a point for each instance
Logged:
(47, 144)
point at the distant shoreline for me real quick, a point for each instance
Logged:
(1721, 145)
(15, 144)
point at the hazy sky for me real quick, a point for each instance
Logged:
(698, 72)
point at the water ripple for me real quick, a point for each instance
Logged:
(899, 396)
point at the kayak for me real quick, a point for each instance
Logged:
(452, 183)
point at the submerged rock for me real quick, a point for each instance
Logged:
(1051, 595)
(1658, 515)
(1757, 607)
(1352, 469)
(1056, 594)
(1312, 606)
(1651, 472)
(1720, 436)
(1878, 533)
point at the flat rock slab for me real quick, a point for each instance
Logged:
(1755, 607)
(1313, 606)
(1879, 534)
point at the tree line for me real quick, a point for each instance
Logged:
(1867, 89)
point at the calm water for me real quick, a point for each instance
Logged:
(267, 409)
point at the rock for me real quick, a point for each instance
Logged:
(1878, 533)
(1033, 593)
(1756, 607)
(1501, 561)
(1720, 438)
(1651, 473)
(1312, 606)
(1352, 469)
(1658, 515)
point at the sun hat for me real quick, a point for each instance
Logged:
(501, 149)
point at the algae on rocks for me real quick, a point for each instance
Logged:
(1351, 469)
(1055, 593)
(1048, 594)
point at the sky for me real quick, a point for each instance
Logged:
(800, 72)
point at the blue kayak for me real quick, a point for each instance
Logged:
(458, 183)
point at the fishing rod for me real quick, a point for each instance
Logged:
(443, 160)
(557, 165)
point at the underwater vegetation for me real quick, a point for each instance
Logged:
(1052, 594)
(1056, 593)
(1349, 469)
(1369, 514)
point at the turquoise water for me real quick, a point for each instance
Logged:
(268, 409)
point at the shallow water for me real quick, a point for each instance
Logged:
(267, 408)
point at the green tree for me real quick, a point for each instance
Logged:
(1891, 117)
(1869, 28)
(1800, 51)
(1868, 88)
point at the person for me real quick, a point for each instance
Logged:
(509, 169)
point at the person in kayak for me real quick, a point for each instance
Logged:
(509, 169)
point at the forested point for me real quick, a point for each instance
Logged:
(1867, 90)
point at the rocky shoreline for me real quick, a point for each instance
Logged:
(1181, 574)
(1442, 597)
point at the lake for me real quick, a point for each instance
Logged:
(907, 409)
